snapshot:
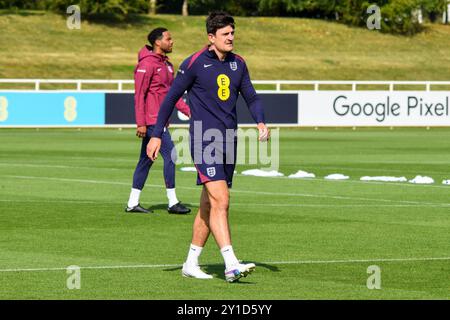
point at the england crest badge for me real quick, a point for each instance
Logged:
(211, 171)
(233, 65)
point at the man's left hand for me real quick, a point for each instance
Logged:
(141, 131)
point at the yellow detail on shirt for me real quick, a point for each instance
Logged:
(224, 87)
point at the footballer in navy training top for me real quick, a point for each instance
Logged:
(213, 78)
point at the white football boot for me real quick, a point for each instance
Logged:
(238, 271)
(194, 271)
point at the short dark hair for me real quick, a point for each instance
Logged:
(156, 34)
(218, 20)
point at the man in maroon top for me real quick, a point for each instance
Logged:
(153, 77)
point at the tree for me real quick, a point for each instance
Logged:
(184, 9)
(447, 13)
(152, 7)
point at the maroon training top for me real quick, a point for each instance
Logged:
(153, 77)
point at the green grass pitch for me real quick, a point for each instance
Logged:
(63, 192)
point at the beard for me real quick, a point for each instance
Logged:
(167, 49)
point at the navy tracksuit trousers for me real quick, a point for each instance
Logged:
(144, 164)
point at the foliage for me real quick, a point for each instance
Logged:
(398, 16)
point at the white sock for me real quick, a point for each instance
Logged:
(194, 253)
(133, 201)
(172, 196)
(229, 257)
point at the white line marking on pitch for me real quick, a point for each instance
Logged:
(335, 205)
(153, 266)
(57, 166)
(46, 201)
(53, 166)
(358, 260)
(94, 267)
(313, 205)
(373, 169)
(236, 191)
(337, 197)
(404, 184)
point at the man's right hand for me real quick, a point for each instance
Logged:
(264, 132)
(153, 147)
(141, 131)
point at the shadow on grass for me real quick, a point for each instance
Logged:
(23, 13)
(115, 21)
(217, 270)
(107, 19)
(163, 206)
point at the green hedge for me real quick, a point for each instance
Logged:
(110, 9)
(397, 15)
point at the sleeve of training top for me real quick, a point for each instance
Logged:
(142, 78)
(251, 98)
(184, 79)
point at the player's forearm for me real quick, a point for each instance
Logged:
(141, 87)
(166, 110)
(139, 112)
(254, 103)
(252, 99)
(257, 111)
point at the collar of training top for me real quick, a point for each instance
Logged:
(212, 54)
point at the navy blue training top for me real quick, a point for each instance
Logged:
(213, 88)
